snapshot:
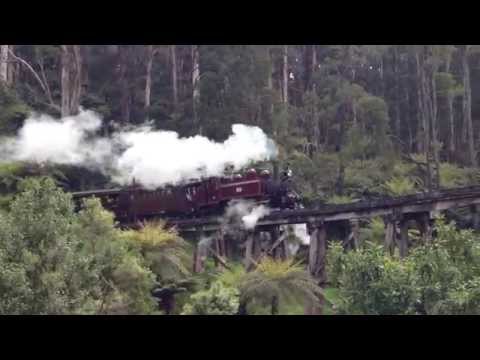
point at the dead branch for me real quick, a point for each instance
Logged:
(49, 93)
(43, 85)
(219, 258)
(29, 67)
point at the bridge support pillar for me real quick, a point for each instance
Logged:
(316, 262)
(219, 247)
(352, 240)
(403, 238)
(425, 225)
(250, 244)
(390, 234)
(199, 258)
(281, 250)
(257, 245)
(284, 245)
(274, 232)
(475, 209)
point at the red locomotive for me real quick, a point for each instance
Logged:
(196, 198)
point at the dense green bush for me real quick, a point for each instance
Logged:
(436, 278)
(54, 261)
(218, 300)
(370, 282)
(12, 110)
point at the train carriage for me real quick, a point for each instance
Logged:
(194, 198)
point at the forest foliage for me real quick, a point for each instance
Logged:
(441, 277)
(343, 116)
(352, 121)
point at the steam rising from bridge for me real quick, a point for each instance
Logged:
(244, 213)
(154, 158)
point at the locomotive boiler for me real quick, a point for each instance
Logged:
(196, 198)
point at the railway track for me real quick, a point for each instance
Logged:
(395, 206)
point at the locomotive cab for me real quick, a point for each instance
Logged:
(281, 193)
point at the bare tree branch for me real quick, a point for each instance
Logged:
(49, 93)
(29, 67)
(43, 84)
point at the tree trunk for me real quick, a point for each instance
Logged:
(310, 66)
(4, 64)
(65, 81)
(11, 73)
(425, 111)
(420, 106)
(270, 90)
(451, 127)
(390, 235)
(77, 79)
(382, 77)
(71, 79)
(408, 112)
(274, 305)
(430, 97)
(316, 120)
(427, 132)
(249, 250)
(316, 264)
(450, 117)
(354, 112)
(467, 106)
(403, 239)
(173, 62)
(397, 91)
(285, 75)
(242, 308)
(434, 128)
(148, 77)
(195, 82)
(168, 302)
(123, 82)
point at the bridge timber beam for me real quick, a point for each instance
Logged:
(405, 205)
(316, 261)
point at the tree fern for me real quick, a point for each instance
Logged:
(274, 280)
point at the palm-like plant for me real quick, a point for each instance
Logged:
(374, 231)
(398, 186)
(274, 280)
(340, 199)
(165, 252)
(453, 176)
(163, 249)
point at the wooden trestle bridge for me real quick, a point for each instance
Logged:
(399, 214)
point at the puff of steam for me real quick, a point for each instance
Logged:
(301, 232)
(245, 213)
(45, 139)
(250, 220)
(153, 158)
(238, 209)
(158, 157)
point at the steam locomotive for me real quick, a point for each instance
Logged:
(196, 198)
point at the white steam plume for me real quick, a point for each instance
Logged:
(154, 158)
(159, 157)
(301, 232)
(244, 213)
(203, 246)
(44, 139)
(297, 235)
(251, 219)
